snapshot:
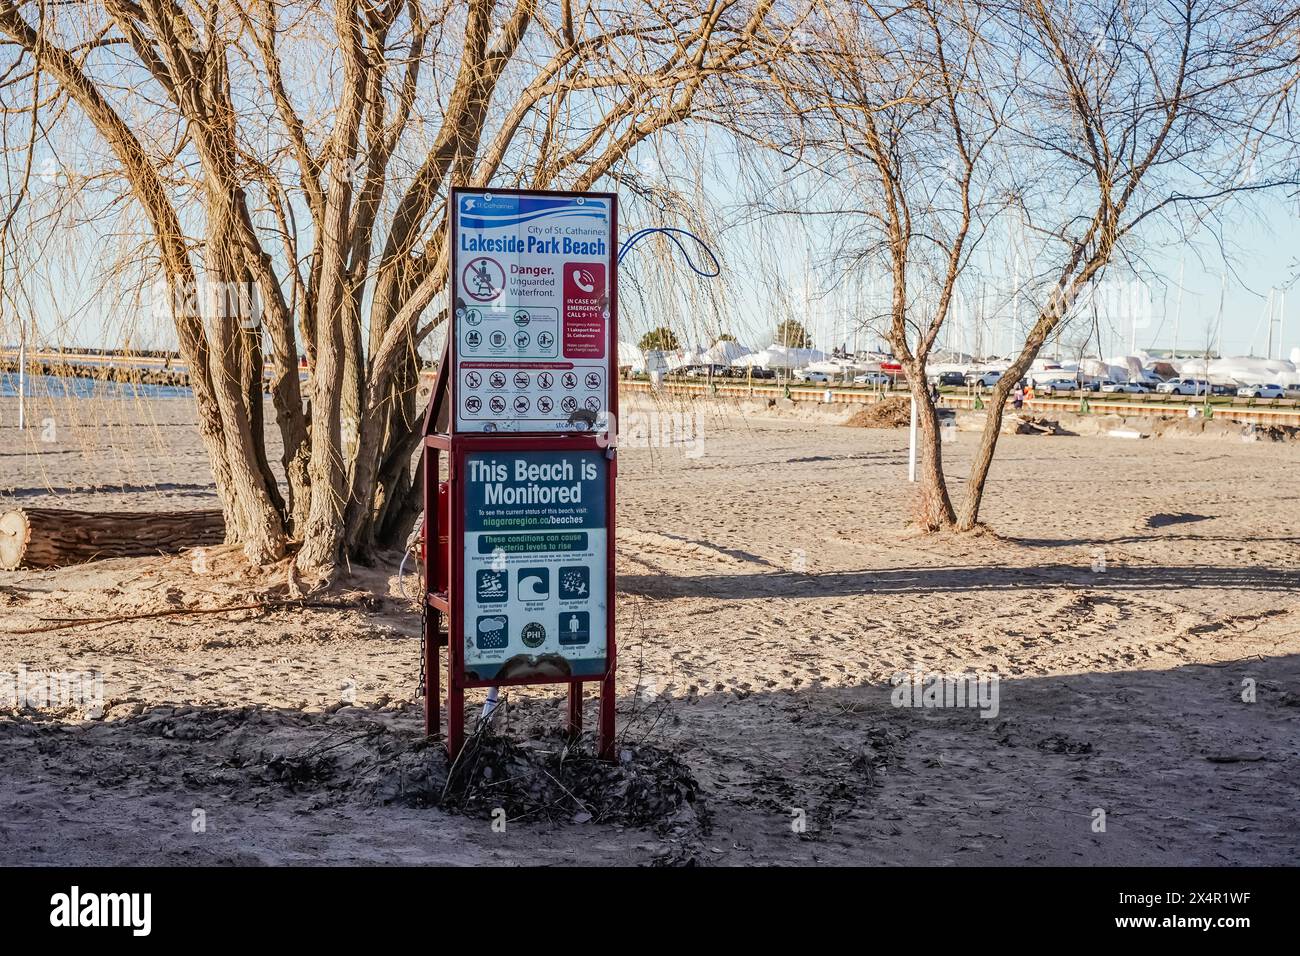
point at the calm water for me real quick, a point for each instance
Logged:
(52, 386)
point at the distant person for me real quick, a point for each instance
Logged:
(1018, 397)
(1028, 394)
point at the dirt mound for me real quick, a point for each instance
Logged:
(555, 779)
(1271, 433)
(890, 413)
(368, 757)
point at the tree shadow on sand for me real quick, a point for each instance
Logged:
(1182, 768)
(927, 580)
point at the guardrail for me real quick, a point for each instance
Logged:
(1279, 411)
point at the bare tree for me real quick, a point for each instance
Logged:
(904, 107)
(1081, 129)
(1133, 115)
(302, 154)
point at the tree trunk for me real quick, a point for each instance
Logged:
(404, 507)
(934, 508)
(48, 537)
(979, 472)
(322, 537)
(383, 460)
(995, 409)
(255, 513)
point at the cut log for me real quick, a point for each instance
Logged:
(49, 537)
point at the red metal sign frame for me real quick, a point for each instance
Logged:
(445, 561)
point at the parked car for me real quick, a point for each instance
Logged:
(983, 379)
(948, 378)
(1056, 385)
(758, 371)
(1132, 388)
(1261, 391)
(1223, 390)
(1183, 386)
(872, 378)
(807, 375)
(705, 371)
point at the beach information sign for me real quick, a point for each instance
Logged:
(519, 534)
(535, 564)
(534, 292)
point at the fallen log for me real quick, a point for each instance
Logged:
(50, 537)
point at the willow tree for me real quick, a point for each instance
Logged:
(302, 153)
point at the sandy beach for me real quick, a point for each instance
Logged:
(1127, 596)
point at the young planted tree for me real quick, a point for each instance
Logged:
(300, 156)
(1091, 127)
(906, 110)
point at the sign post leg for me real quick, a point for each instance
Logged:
(430, 618)
(605, 739)
(575, 709)
(432, 673)
(455, 717)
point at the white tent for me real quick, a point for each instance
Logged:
(1095, 368)
(778, 356)
(629, 353)
(724, 352)
(684, 358)
(1133, 368)
(1239, 370)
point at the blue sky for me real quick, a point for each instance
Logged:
(1261, 252)
(1265, 254)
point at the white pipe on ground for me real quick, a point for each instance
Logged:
(22, 375)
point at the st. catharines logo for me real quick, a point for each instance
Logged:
(75, 909)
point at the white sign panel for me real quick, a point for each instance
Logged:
(533, 280)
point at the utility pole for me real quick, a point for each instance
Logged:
(1223, 288)
(1268, 312)
(1178, 311)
